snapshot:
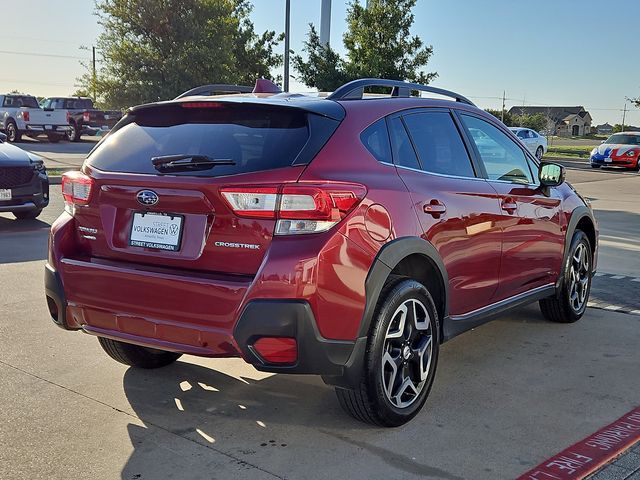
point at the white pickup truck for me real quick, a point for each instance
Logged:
(21, 115)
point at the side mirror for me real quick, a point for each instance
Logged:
(551, 174)
(3, 137)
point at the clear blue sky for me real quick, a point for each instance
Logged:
(549, 52)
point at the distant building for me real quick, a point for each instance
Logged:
(567, 121)
(604, 129)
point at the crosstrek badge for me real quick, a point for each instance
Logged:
(249, 246)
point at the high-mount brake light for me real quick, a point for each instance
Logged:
(298, 208)
(76, 188)
(201, 105)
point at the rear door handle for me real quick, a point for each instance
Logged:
(509, 205)
(435, 208)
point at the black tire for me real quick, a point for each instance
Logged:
(539, 153)
(27, 214)
(137, 356)
(54, 138)
(73, 135)
(563, 307)
(369, 402)
(595, 166)
(637, 167)
(11, 130)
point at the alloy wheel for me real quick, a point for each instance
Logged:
(407, 353)
(11, 132)
(579, 277)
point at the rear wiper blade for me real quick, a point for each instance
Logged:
(188, 162)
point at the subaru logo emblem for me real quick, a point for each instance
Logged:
(147, 197)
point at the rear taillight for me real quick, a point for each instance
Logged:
(68, 117)
(297, 208)
(76, 189)
(86, 116)
(25, 115)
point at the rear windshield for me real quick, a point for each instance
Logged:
(21, 101)
(78, 104)
(255, 137)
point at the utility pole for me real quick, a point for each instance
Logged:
(93, 83)
(325, 22)
(287, 34)
(504, 95)
(624, 115)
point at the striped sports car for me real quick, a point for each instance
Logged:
(619, 150)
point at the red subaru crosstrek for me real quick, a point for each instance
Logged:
(346, 236)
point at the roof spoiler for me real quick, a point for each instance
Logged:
(262, 86)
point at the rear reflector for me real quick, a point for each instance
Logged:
(298, 208)
(277, 349)
(76, 188)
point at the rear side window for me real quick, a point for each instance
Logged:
(439, 144)
(255, 137)
(376, 139)
(403, 153)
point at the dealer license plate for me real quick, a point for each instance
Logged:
(161, 231)
(5, 194)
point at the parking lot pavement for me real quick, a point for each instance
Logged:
(62, 154)
(507, 395)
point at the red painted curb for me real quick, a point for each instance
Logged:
(588, 455)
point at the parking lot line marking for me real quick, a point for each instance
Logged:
(636, 280)
(613, 307)
(618, 277)
(635, 312)
(588, 455)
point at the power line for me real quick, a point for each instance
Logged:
(32, 54)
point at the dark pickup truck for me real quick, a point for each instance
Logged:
(83, 118)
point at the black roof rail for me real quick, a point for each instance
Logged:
(216, 87)
(354, 90)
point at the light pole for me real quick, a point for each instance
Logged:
(325, 22)
(287, 34)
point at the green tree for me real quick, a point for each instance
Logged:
(378, 42)
(508, 121)
(537, 122)
(156, 49)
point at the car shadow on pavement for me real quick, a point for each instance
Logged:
(533, 380)
(22, 240)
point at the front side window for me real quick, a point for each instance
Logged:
(503, 159)
(438, 144)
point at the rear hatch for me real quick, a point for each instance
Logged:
(156, 196)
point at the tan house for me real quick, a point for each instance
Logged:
(566, 121)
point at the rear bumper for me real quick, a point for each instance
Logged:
(59, 129)
(259, 318)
